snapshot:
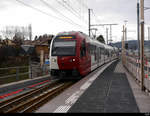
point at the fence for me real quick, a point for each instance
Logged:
(133, 66)
(13, 74)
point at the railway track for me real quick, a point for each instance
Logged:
(30, 101)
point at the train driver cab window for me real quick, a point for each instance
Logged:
(83, 49)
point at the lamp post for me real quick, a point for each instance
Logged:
(123, 46)
(125, 40)
(89, 10)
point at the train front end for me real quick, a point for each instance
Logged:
(63, 57)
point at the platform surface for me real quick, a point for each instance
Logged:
(109, 93)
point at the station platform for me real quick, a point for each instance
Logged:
(109, 89)
(110, 92)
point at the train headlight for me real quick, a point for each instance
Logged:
(72, 60)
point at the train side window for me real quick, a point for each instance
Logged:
(83, 49)
(91, 49)
(88, 48)
(95, 52)
(107, 53)
(102, 51)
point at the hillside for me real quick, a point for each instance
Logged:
(132, 44)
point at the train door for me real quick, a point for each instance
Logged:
(98, 56)
(101, 57)
(106, 55)
(84, 59)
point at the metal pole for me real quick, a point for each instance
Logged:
(104, 25)
(30, 68)
(30, 32)
(148, 33)
(138, 31)
(138, 36)
(126, 34)
(95, 34)
(123, 45)
(89, 22)
(125, 42)
(142, 44)
(17, 73)
(122, 50)
(110, 33)
(107, 35)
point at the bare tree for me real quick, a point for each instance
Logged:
(18, 40)
(10, 31)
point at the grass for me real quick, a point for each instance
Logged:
(13, 79)
(13, 72)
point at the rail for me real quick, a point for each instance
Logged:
(27, 102)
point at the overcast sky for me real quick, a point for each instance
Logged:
(53, 16)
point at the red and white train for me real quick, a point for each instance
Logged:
(76, 54)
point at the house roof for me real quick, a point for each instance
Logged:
(39, 41)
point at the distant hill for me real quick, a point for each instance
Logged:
(132, 44)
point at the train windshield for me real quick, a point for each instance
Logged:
(62, 47)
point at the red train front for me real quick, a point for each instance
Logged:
(69, 55)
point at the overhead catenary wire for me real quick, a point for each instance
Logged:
(55, 10)
(43, 12)
(96, 19)
(38, 10)
(72, 9)
(83, 4)
(82, 9)
(69, 8)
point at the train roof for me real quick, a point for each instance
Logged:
(108, 47)
(95, 42)
(116, 49)
(88, 39)
(67, 33)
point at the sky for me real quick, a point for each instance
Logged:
(54, 16)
